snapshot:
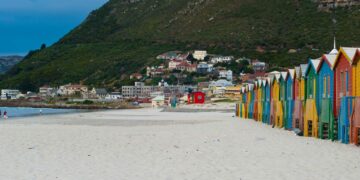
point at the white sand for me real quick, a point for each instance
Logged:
(148, 144)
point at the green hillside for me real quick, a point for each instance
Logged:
(122, 37)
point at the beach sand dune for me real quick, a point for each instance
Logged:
(149, 144)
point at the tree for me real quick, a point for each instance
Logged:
(43, 46)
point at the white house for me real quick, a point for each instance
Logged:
(226, 74)
(174, 63)
(47, 91)
(200, 55)
(221, 59)
(114, 96)
(9, 94)
(73, 89)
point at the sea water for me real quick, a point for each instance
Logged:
(26, 111)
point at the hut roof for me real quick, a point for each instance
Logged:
(298, 71)
(303, 68)
(292, 73)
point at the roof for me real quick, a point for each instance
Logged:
(330, 59)
(357, 54)
(298, 71)
(292, 73)
(313, 63)
(348, 52)
(284, 75)
(303, 68)
(159, 98)
(101, 91)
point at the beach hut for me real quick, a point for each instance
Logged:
(277, 103)
(355, 118)
(297, 116)
(256, 100)
(290, 79)
(267, 100)
(196, 98)
(343, 91)
(311, 105)
(355, 123)
(342, 77)
(250, 101)
(283, 102)
(327, 125)
(260, 100)
(356, 73)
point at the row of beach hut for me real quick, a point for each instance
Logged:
(318, 99)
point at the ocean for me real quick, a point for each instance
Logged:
(26, 111)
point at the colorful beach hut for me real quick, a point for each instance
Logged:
(311, 105)
(250, 101)
(297, 116)
(290, 79)
(259, 100)
(267, 100)
(343, 91)
(355, 118)
(283, 101)
(277, 103)
(327, 125)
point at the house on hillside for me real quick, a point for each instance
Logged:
(47, 91)
(173, 63)
(9, 94)
(199, 55)
(137, 76)
(226, 74)
(185, 66)
(73, 90)
(221, 59)
(99, 93)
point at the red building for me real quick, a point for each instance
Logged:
(196, 98)
(342, 79)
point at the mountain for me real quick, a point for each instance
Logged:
(124, 36)
(7, 62)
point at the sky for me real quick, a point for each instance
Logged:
(26, 24)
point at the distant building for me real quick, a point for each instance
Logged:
(221, 59)
(199, 55)
(114, 96)
(226, 74)
(259, 66)
(204, 68)
(9, 94)
(185, 66)
(218, 87)
(47, 91)
(155, 71)
(174, 63)
(73, 89)
(99, 93)
(137, 76)
(139, 90)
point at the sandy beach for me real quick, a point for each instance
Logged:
(150, 144)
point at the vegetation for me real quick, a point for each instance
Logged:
(123, 37)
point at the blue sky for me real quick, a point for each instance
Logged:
(26, 24)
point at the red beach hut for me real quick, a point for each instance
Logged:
(196, 98)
